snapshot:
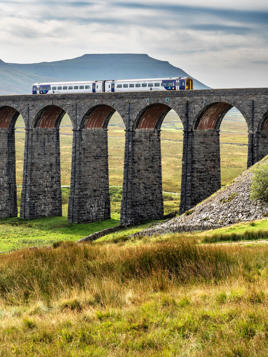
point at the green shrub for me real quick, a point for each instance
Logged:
(259, 186)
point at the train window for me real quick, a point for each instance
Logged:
(137, 85)
(54, 88)
(75, 87)
(157, 84)
(81, 87)
(59, 88)
(150, 84)
(131, 85)
(119, 86)
(64, 87)
(70, 87)
(87, 87)
(125, 85)
(144, 85)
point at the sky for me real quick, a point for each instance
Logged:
(223, 43)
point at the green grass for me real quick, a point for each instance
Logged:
(16, 233)
(242, 231)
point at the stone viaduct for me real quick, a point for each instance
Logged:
(200, 111)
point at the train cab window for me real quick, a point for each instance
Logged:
(64, 87)
(137, 85)
(87, 87)
(70, 87)
(125, 85)
(59, 88)
(81, 87)
(150, 84)
(119, 86)
(144, 85)
(157, 84)
(54, 88)
(131, 85)
(75, 87)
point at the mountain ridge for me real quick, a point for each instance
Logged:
(16, 78)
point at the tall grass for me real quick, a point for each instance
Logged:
(46, 273)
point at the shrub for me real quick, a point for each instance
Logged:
(259, 186)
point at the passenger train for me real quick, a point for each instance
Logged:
(113, 86)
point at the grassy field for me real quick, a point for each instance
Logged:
(173, 298)
(174, 295)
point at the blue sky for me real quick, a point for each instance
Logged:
(222, 43)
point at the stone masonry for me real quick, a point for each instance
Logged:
(201, 113)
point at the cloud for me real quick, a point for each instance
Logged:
(240, 30)
(210, 40)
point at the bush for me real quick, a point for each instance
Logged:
(259, 186)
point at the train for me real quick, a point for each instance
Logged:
(114, 86)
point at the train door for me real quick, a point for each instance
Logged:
(94, 87)
(99, 85)
(112, 87)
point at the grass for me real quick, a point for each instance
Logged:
(165, 299)
(122, 296)
(238, 232)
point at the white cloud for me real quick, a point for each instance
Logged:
(221, 48)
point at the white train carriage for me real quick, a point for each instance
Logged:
(111, 86)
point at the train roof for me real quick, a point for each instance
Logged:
(108, 80)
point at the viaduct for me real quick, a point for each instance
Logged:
(200, 111)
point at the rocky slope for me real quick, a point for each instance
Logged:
(231, 204)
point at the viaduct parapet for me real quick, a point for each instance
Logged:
(201, 113)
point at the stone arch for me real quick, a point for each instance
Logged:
(90, 189)
(97, 117)
(8, 117)
(264, 122)
(211, 116)
(8, 189)
(208, 171)
(42, 176)
(262, 136)
(152, 116)
(49, 117)
(145, 158)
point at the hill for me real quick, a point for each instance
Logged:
(229, 205)
(18, 78)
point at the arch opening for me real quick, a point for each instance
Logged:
(50, 142)
(263, 138)
(99, 185)
(171, 161)
(116, 152)
(220, 150)
(264, 125)
(12, 158)
(156, 163)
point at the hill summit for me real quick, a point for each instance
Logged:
(18, 78)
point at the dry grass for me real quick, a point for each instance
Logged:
(162, 299)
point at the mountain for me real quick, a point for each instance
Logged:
(18, 78)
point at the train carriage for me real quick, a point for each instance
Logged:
(113, 86)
